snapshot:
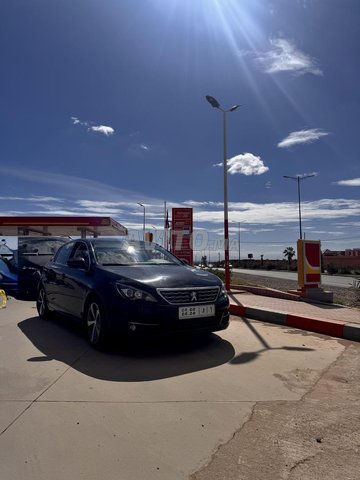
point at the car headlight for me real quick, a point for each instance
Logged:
(223, 292)
(131, 293)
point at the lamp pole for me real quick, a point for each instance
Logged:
(238, 224)
(155, 232)
(141, 205)
(298, 178)
(214, 103)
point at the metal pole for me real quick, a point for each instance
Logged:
(141, 205)
(144, 225)
(226, 213)
(298, 179)
(165, 229)
(239, 245)
(215, 104)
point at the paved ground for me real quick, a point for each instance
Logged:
(164, 410)
(321, 311)
(327, 319)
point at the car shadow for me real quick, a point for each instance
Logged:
(133, 360)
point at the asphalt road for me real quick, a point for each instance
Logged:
(331, 280)
(163, 409)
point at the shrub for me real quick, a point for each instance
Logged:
(356, 285)
(345, 270)
(219, 273)
(332, 269)
(270, 266)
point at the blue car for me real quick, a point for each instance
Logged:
(8, 279)
(132, 288)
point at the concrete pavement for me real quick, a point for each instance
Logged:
(328, 319)
(155, 412)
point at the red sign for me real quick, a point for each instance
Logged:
(181, 234)
(309, 263)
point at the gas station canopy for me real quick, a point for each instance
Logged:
(61, 226)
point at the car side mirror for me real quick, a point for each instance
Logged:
(76, 263)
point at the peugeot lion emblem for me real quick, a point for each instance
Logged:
(193, 296)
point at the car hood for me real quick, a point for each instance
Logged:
(164, 276)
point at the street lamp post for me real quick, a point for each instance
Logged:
(141, 205)
(298, 178)
(238, 224)
(155, 231)
(214, 103)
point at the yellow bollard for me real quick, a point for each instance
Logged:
(3, 299)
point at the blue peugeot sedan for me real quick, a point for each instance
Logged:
(118, 285)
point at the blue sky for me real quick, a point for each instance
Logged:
(103, 106)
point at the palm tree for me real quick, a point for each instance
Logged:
(289, 253)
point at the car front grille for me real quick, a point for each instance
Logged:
(181, 296)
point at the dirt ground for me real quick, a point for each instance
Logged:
(316, 438)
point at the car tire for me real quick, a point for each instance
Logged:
(96, 324)
(42, 304)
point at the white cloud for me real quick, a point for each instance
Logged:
(105, 130)
(193, 203)
(354, 182)
(246, 164)
(270, 221)
(282, 213)
(34, 199)
(76, 121)
(302, 136)
(144, 147)
(284, 56)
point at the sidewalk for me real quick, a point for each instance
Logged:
(331, 319)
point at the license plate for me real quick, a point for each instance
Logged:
(197, 311)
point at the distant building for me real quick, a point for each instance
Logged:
(344, 258)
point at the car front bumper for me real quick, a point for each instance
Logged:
(159, 319)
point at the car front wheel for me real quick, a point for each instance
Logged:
(41, 304)
(96, 324)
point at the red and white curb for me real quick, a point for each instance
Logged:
(335, 328)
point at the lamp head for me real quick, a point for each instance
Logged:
(213, 102)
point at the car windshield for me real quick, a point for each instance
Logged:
(40, 246)
(132, 253)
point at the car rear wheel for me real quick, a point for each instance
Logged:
(96, 324)
(42, 305)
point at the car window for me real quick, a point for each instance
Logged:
(81, 251)
(40, 246)
(63, 253)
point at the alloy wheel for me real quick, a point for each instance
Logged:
(94, 323)
(41, 304)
